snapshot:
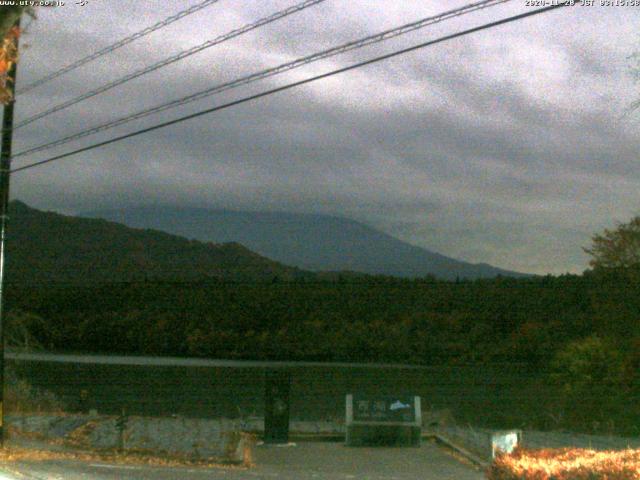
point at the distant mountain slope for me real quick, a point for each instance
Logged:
(46, 246)
(312, 242)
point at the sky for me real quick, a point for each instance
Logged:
(511, 146)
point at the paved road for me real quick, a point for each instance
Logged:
(306, 461)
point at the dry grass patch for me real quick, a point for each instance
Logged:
(566, 464)
(16, 454)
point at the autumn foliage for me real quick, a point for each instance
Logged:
(618, 248)
(8, 56)
(566, 464)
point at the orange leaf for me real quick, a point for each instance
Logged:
(14, 32)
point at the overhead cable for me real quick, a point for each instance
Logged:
(260, 75)
(295, 84)
(115, 46)
(172, 59)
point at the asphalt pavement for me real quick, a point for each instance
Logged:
(304, 461)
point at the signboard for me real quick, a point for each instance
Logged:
(383, 420)
(389, 409)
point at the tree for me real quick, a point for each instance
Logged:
(589, 376)
(618, 248)
(24, 330)
(9, 15)
(9, 33)
(8, 56)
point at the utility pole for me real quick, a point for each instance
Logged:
(5, 169)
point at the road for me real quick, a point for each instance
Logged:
(306, 461)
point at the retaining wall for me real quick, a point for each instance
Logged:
(198, 438)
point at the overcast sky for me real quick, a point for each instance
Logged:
(509, 146)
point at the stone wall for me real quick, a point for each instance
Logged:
(196, 438)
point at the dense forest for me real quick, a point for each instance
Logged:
(367, 319)
(578, 335)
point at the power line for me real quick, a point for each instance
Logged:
(115, 46)
(296, 84)
(353, 45)
(174, 58)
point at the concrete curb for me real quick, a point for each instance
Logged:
(458, 449)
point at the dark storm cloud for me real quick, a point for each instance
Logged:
(508, 147)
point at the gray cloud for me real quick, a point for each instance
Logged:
(507, 147)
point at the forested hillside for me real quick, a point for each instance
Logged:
(49, 247)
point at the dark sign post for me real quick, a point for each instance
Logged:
(373, 420)
(276, 415)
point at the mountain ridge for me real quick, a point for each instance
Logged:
(48, 246)
(309, 241)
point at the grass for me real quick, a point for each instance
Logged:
(16, 454)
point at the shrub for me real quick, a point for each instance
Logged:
(566, 464)
(20, 397)
(588, 374)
